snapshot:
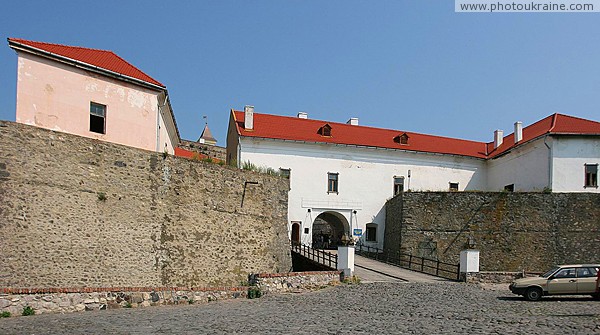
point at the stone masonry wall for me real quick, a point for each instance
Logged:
(513, 231)
(77, 212)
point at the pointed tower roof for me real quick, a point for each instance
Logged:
(207, 136)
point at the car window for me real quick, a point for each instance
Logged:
(565, 273)
(585, 272)
(549, 272)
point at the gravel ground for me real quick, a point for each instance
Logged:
(377, 308)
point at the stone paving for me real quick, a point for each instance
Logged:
(373, 308)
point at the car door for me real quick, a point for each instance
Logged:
(586, 280)
(563, 282)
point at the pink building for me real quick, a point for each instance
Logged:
(92, 93)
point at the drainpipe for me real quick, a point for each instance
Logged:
(549, 162)
(158, 122)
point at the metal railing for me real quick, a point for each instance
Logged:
(429, 266)
(319, 256)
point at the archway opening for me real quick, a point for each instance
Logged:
(328, 229)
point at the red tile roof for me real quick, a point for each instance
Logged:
(103, 59)
(557, 124)
(307, 130)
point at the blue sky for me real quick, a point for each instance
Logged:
(412, 65)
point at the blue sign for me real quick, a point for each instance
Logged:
(357, 232)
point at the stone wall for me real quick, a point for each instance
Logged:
(293, 281)
(211, 151)
(77, 212)
(513, 231)
(45, 301)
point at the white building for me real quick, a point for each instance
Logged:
(342, 174)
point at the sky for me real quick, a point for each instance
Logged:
(410, 65)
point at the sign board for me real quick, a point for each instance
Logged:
(357, 232)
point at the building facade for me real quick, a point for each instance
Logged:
(342, 174)
(92, 93)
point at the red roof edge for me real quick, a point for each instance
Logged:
(141, 76)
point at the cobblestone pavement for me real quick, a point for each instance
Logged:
(375, 308)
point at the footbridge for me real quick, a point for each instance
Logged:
(365, 267)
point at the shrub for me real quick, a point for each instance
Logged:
(5, 314)
(101, 196)
(254, 292)
(28, 311)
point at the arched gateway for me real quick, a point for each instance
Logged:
(328, 229)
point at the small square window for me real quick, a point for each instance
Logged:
(398, 185)
(453, 187)
(509, 188)
(306, 230)
(97, 118)
(591, 175)
(332, 182)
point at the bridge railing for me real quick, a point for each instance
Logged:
(408, 261)
(320, 256)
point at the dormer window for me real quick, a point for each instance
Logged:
(325, 130)
(401, 139)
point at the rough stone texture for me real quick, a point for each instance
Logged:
(211, 151)
(495, 277)
(293, 281)
(44, 303)
(513, 231)
(76, 212)
(377, 308)
(65, 300)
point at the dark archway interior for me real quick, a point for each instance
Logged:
(327, 231)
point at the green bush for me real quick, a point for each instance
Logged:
(5, 314)
(28, 311)
(254, 292)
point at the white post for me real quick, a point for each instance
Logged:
(469, 263)
(346, 260)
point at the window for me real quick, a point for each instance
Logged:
(97, 118)
(325, 130)
(509, 188)
(332, 182)
(591, 175)
(453, 187)
(398, 185)
(401, 139)
(371, 232)
(285, 172)
(586, 273)
(565, 273)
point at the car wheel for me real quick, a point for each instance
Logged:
(533, 294)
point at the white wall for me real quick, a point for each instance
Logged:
(366, 177)
(526, 167)
(570, 154)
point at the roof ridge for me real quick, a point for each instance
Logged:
(370, 127)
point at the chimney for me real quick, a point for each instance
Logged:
(518, 131)
(249, 117)
(498, 137)
(302, 115)
(353, 121)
